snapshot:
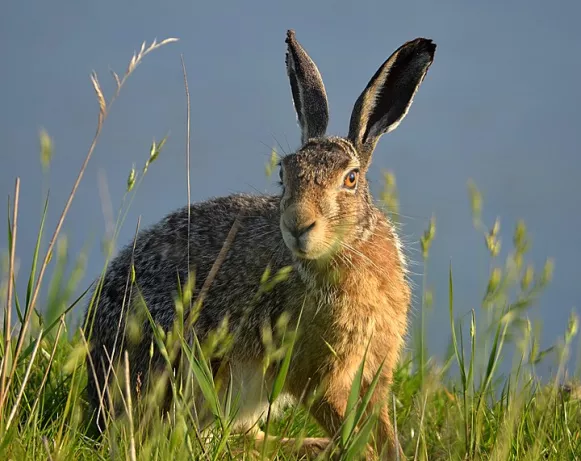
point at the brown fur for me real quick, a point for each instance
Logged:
(368, 306)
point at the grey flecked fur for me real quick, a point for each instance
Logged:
(160, 260)
(160, 253)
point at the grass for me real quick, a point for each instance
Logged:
(460, 407)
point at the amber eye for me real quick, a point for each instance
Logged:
(351, 178)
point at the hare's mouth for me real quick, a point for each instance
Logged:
(306, 242)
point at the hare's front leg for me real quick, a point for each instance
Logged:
(330, 413)
(329, 410)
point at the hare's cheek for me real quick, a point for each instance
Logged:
(333, 208)
(345, 207)
(328, 206)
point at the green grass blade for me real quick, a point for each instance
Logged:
(206, 386)
(361, 439)
(13, 282)
(32, 275)
(354, 394)
(459, 356)
(281, 375)
(368, 394)
(283, 372)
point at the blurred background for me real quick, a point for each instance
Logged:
(500, 105)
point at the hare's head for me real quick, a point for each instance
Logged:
(326, 202)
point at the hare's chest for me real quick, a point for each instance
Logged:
(339, 323)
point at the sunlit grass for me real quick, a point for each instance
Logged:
(459, 406)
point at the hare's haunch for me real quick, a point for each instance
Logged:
(347, 282)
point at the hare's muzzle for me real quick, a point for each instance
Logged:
(302, 233)
(297, 237)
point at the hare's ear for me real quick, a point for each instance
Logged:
(389, 94)
(309, 96)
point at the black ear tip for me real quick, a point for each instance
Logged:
(424, 45)
(290, 36)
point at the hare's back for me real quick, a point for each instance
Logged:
(161, 256)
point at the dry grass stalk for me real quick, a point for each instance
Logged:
(103, 112)
(8, 313)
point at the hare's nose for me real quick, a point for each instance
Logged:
(300, 231)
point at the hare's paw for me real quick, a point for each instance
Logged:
(312, 447)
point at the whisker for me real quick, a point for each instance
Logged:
(360, 254)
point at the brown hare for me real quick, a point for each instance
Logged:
(348, 280)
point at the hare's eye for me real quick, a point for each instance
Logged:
(350, 181)
(280, 174)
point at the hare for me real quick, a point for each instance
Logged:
(347, 293)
